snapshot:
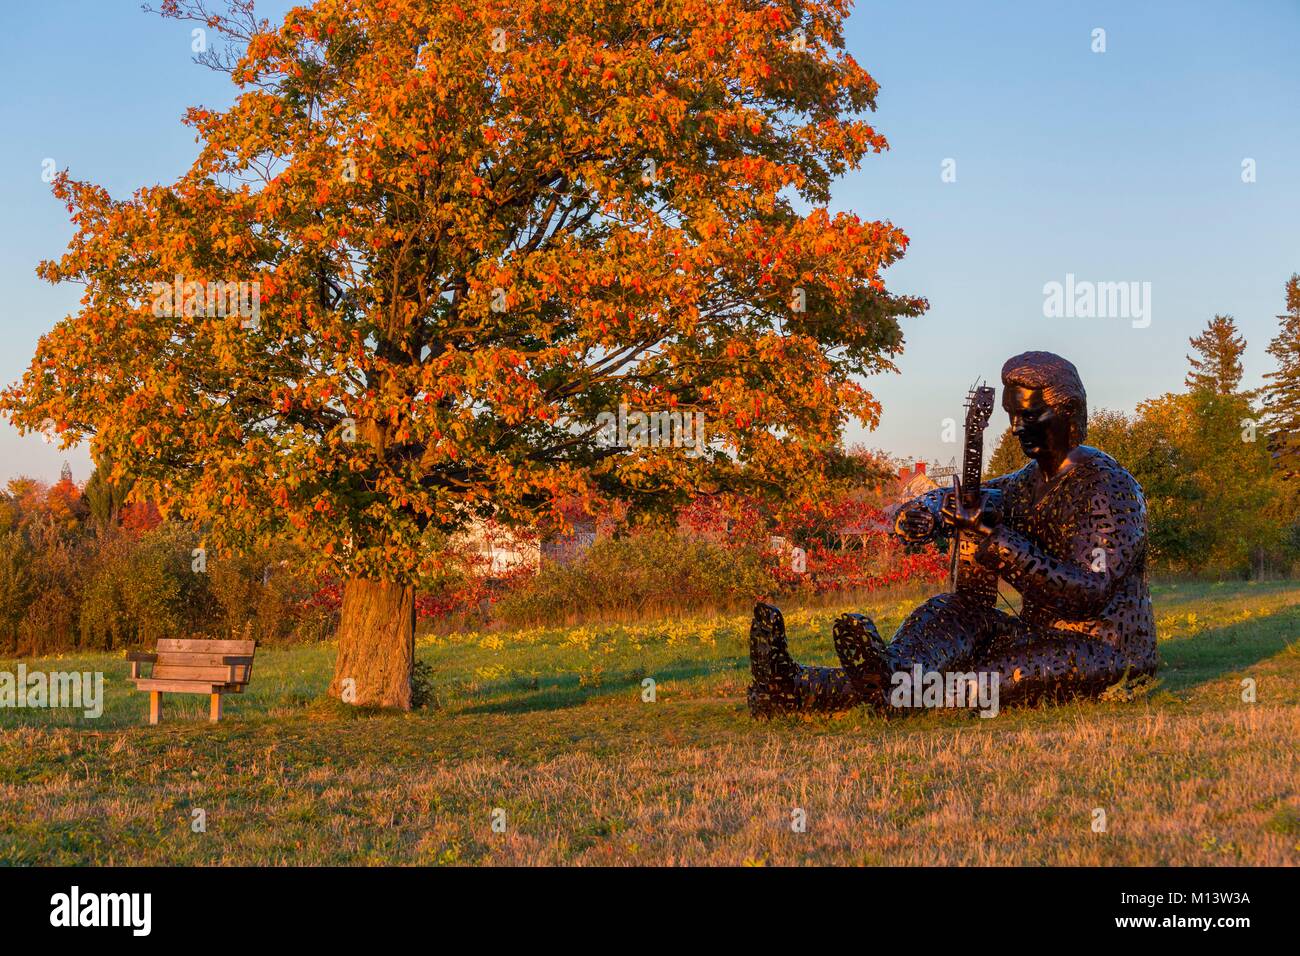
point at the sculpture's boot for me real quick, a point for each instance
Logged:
(863, 654)
(775, 674)
(780, 684)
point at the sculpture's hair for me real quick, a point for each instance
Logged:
(1060, 382)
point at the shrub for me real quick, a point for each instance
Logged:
(49, 623)
(645, 572)
(269, 595)
(16, 587)
(143, 587)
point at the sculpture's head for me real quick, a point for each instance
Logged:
(1044, 397)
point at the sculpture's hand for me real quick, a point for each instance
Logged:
(980, 520)
(915, 523)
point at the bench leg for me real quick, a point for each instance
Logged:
(155, 706)
(214, 708)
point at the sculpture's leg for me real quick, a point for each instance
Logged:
(826, 689)
(780, 685)
(1059, 668)
(942, 634)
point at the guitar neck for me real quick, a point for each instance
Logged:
(971, 465)
(967, 577)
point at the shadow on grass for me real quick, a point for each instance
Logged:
(1188, 662)
(1169, 595)
(561, 692)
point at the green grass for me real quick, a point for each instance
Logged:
(550, 727)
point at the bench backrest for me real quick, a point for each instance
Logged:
(185, 659)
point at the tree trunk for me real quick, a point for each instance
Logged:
(376, 644)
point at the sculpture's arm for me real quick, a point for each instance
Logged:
(910, 523)
(932, 501)
(1110, 536)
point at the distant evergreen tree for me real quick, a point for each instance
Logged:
(1282, 393)
(1218, 367)
(1007, 456)
(104, 497)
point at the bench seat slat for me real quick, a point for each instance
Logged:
(180, 686)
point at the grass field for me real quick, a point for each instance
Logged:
(550, 727)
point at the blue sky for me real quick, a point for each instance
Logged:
(1117, 166)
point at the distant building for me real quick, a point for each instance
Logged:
(65, 474)
(913, 480)
(498, 550)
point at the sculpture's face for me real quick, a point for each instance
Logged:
(1041, 429)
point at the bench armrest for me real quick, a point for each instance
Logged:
(236, 660)
(140, 657)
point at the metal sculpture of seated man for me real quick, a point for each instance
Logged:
(1068, 531)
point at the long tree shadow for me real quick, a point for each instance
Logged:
(1188, 662)
(563, 691)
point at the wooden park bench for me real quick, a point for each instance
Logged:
(183, 666)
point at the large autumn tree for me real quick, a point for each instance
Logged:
(474, 227)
